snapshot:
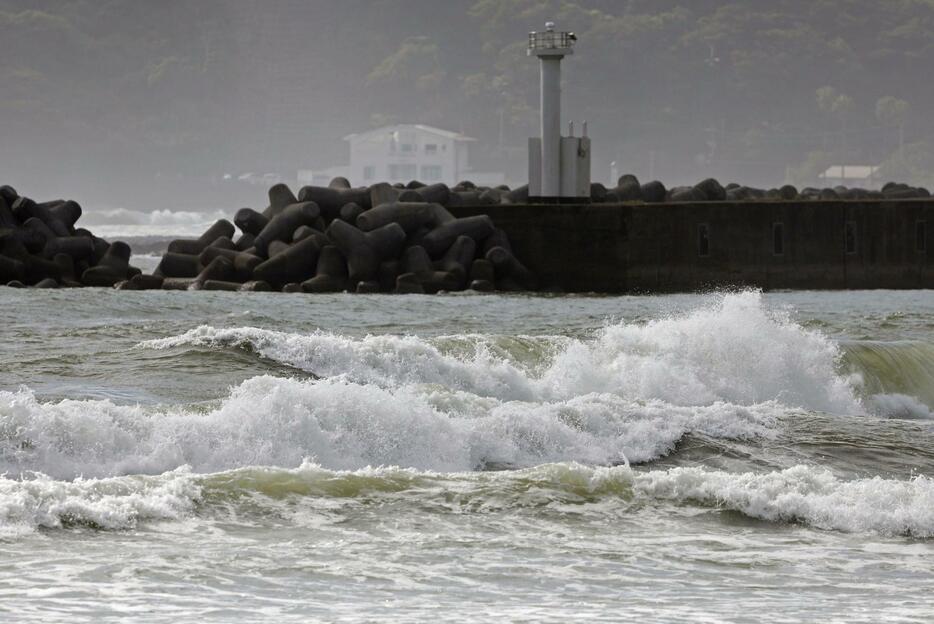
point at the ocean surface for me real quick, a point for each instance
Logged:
(247, 457)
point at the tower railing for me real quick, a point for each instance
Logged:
(550, 40)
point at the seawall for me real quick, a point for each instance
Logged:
(672, 247)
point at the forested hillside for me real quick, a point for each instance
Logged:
(141, 91)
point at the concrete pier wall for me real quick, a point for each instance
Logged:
(615, 248)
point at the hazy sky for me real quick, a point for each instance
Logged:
(146, 104)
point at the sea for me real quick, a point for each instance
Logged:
(731, 456)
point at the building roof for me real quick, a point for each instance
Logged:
(457, 136)
(850, 172)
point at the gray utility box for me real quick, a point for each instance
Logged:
(575, 167)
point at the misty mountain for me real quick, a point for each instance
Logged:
(150, 103)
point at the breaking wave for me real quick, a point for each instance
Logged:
(801, 494)
(735, 351)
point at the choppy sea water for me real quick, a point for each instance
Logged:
(214, 457)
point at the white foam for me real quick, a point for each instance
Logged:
(805, 494)
(733, 351)
(116, 503)
(900, 406)
(123, 222)
(344, 425)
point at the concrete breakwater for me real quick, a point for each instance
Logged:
(41, 246)
(337, 238)
(691, 246)
(422, 238)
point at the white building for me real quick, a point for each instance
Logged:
(403, 153)
(865, 176)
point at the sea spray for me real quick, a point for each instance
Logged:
(344, 425)
(812, 496)
(734, 350)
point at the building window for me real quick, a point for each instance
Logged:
(431, 173)
(407, 148)
(921, 236)
(778, 239)
(703, 240)
(369, 172)
(402, 173)
(431, 148)
(850, 237)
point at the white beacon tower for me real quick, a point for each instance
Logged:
(559, 167)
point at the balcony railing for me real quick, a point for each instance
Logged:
(550, 40)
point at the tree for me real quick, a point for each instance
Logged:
(837, 105)
(894, 112)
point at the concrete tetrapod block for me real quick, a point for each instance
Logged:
(383, 193)
(416, 260)
(387, 240)
(329, 200)
(41, 229)
(283, 225)
(7, 220)
(8, 194)
(295, 264)
(441, 238)
(388, 271)
(147, 282)
(685, 194)
(409, 196)
(364, 251)
(711, 190)
(481, 269)
(249, 221)
(46, 283)
(112, 268)
(178, 265)
(350, 212)
(491, 196)
(244, 264)
(11, 269)
(519, 195)
(409, 284)
(459, 257)
(66, 266)
(222, 227)
(331, 274)
(435, 193)
(280, 197)
(597, 192)
(245, 242)
(339, 182)
(497, 239)
(653, 192)
(306, 231)
(77, 247)
(507, 267)
(39, 268)
(24, 209)
(788, 192)
(410, 216)
(276, 247)
(222, 242)
(20, 242)
(15, 284)
(68, 212)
